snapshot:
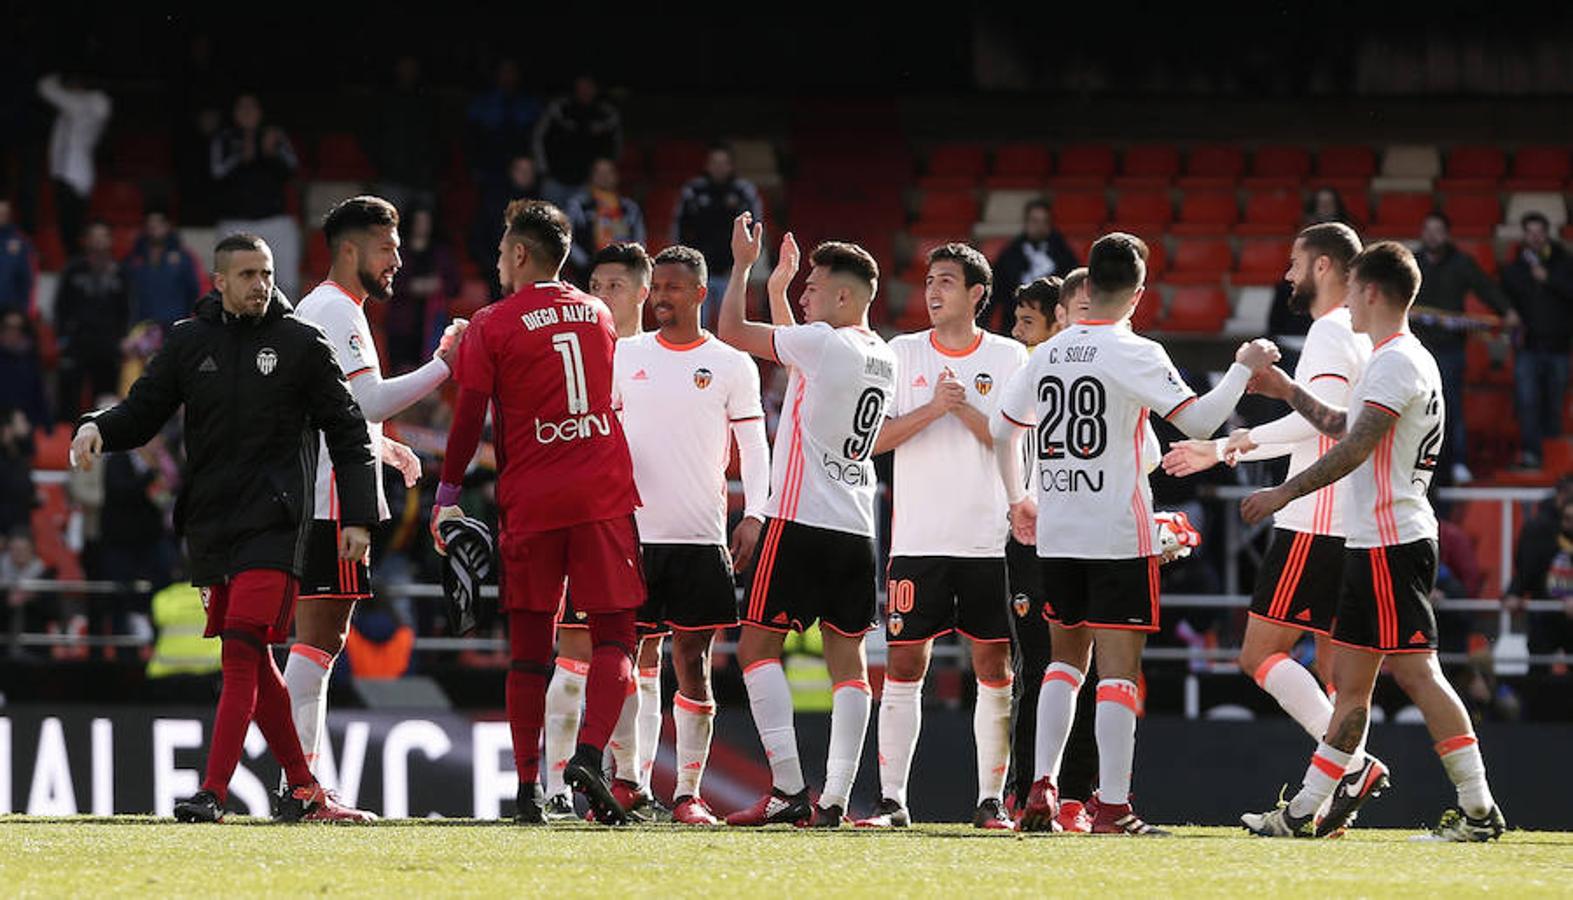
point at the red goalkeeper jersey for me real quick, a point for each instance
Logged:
(544, 357)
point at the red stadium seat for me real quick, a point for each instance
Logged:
(141, 155)
(52, 447)
(1084, 166)
(1271, 212)
(1357, 203)
(1200, 261)
(993, 247)
(340, 158)
(1142, 211)
(1401, 215)
(1148, 166)
(1148, 310)
(675, 160)
(632, 164)
(1479, 368)
(1262, 262)
(1080, 211)
(1020, 166)
(958, 165)
(1157, 257)
(1473, 215)
(1281, 166)
(117, 202)
(1213, 166)
(1539, 169)
(1207, 212)
(1346, 168)
(1483, 251)
(1473, 168)
(123, 238)
(947, 211)
(1200, 310)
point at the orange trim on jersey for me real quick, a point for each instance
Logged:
(364, 595)
(793, 487)
(1386, 608)
(1268, 665)
(996, 685)
(1322, 518)
(698, 707)
(576, 666)
(955, 354)
(1387, 524)
(316, 654)
(358, 302)
(1068, 678)
(1387, 409)
(830, 627)
(1153, 586)
(755, 666)
(890, 679)
(1144, 523)
(1181, 405)
(681, 348)
(1387, 340)
(1287, 623)
(357, 373)
(1113, 693)
(1343, 378)
(1328, 767)
(856, 684)
(1454, 744)
(1096, 322)
(1289, 579)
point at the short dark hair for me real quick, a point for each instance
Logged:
(722, 147)
(1042, 294)
(1073, 282)
(688, 258)
(975, 268)
(1440, 216)
(238, 241)
(1117, 263)
(1037, 203)
(1391, 267)
(357, 214)
(630, 255)
(1535, 216)
(540, 226)
(843, 258)
(1334, 240)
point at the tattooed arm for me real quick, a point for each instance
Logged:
(1323, 416)
(1369, 428)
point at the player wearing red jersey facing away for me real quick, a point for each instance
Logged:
(816, 561)
(1089, 389)
(362, 233)
(1297, 585)
(1388, 440)
(948, 529)
(542, 358)
(619, 276)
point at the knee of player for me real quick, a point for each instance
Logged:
(905, 669)
(991, 662)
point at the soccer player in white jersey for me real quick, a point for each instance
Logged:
(1089, 389)
(363, 236)
(1297, 585)
(1388, 440)
(816, 561)
(620, 276)
(948, 529)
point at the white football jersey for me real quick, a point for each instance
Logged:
(948, 497)
(678, 403)
(1332, 351)
(1088, 391)
(342, 319)
(1387, 493)
(840, 383)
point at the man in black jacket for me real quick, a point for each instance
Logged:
(1038, 252)
(257, 385)
(1540, 284)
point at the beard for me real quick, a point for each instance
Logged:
(1302, 296)
(372, 285)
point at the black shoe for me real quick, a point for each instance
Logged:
(887, 814)
(203, 806)
(827, 817)
(991, 816)
(648, 810)
(529, 806)
(775, 808)
(1351, 793)
(559, 808)
(584, 775)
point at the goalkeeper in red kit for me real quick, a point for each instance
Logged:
(542, 358)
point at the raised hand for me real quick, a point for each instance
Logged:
(786, 265)
(1189, 457)
(1258, 354)
(1271, 381)
(747, 240)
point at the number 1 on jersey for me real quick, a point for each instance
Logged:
(567, 346)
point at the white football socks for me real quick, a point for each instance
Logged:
(1461, 758)
(306, 676)
(1327, 768)
(991, 733)
(1297, 691)
(560, 737)
(850, 705)
(900, 720)
(649, 723)
(694, 721)
(1114, 722)
(1056, 710)
(770, 700)
(624, 742)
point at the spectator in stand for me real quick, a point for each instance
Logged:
(21, 371)
(200, 89)
(1447, 276)
(1543, 570)
(18, 264)
(501, 126)
(92, 310)
(81, 114)
(24, 609)
(1539, 282)
(403, 138)
(1038, 252)
(422, 288)
(602, 216)
(252, 162)
(162, 273)
(17, 495)
(575, 131)
(522, 182)
(134, 539)
(1324, 205)
(705, 211)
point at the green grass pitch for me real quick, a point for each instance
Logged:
(129, 855)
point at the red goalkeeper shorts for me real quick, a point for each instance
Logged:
(264, 597)
(601, 560)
